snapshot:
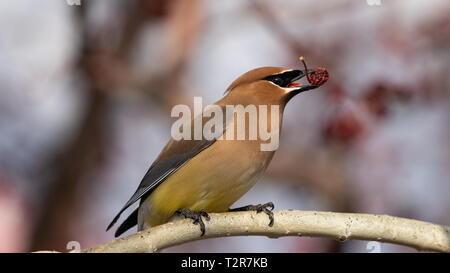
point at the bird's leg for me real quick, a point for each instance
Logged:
(267, 208)
(196, 216)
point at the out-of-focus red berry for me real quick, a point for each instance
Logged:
(343, 127)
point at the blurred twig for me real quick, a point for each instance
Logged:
(291, 42)
(81, 157)
(104, 66)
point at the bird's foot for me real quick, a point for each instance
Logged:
(267, 208)
(196, 216)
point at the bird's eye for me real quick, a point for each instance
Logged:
(278, 81)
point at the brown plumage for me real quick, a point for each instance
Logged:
(211, 175)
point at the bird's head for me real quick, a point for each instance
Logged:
(268, 85)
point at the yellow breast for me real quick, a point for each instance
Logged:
(213, 180)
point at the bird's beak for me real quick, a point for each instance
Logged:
(295, 88)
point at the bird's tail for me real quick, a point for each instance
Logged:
(130, 222)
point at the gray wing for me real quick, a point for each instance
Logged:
(174, 155)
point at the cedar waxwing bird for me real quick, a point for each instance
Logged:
(194, 177)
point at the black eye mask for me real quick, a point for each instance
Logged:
(285, 78)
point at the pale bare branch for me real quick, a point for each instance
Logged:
(339, 226)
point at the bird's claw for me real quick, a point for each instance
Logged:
(196, 216)
(267, 208)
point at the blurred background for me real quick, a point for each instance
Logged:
(86, 92)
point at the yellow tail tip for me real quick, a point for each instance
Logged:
(301, 58)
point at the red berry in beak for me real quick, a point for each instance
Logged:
(318, 77)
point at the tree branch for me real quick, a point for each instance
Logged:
(339, 226)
